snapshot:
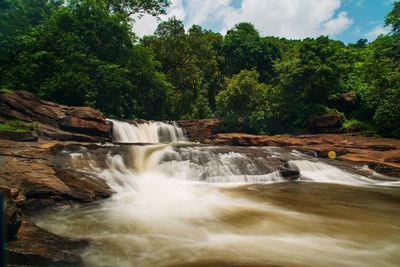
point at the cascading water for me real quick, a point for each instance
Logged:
(147, 132)
(192, 205)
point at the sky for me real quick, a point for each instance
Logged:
(345, 20)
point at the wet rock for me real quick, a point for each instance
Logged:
(199, 130)
(37, 247)
(82, 187)
(19, 136)
(47, 181)
(23, 105)
(12, 213)
(385, 169)
(357, 149)
(328, 123)
(289, 174)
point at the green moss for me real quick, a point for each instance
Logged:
(8, 128)
(19, 126)
(5, 91)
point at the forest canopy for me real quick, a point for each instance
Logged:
(85, 52)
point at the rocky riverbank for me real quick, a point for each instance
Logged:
(380, 154)
(36, 171)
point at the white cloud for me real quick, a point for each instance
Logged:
(284, 18)
(291, 18)
(337, 25)
(376, 31)
(147, 24)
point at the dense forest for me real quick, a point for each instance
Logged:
(85, 52)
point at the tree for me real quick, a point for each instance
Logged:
(393, 18)
(304, 84)
(382, 74)
(80, 53)
(242, 104)
(244, 49)
(189, 61)
(138, 7)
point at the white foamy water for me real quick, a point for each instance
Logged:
(323, 173)
(147, 132)
(200, 206)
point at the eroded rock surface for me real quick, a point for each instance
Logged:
(36, 176)
(200, 130)
(57, 121)
(38, 247)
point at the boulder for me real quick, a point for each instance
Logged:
(42, 182)
(12, 213)
(328, 123)
(289, 174)
(25, 106)
(85, 120)
(199, 130)
(38, 247)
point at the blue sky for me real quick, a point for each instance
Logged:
(368, 19)
(345, 20)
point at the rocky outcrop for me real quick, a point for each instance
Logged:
(199, 130)
(328, 123)
(36, 176)
(27, 136)
(12, 212)
(380, 154)
(58, 122)
(45, 180)
(39, 247)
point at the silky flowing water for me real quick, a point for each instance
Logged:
(191, 205)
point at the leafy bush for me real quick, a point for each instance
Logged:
(354, 125)
(387, 115)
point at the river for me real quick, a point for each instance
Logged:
(181, 204)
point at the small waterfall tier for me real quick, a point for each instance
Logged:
(147, 132)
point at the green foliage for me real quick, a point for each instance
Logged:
(354, 125)
(188, 59)
(304, 84)
(244, 49)
(5, 91)
(393, 18)
(84, 52)
(241, 105)
(387, 115)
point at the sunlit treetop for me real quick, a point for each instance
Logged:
(393, 18)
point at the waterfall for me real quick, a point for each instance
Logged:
(195, 205)
(323, 173)
(147, 132)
